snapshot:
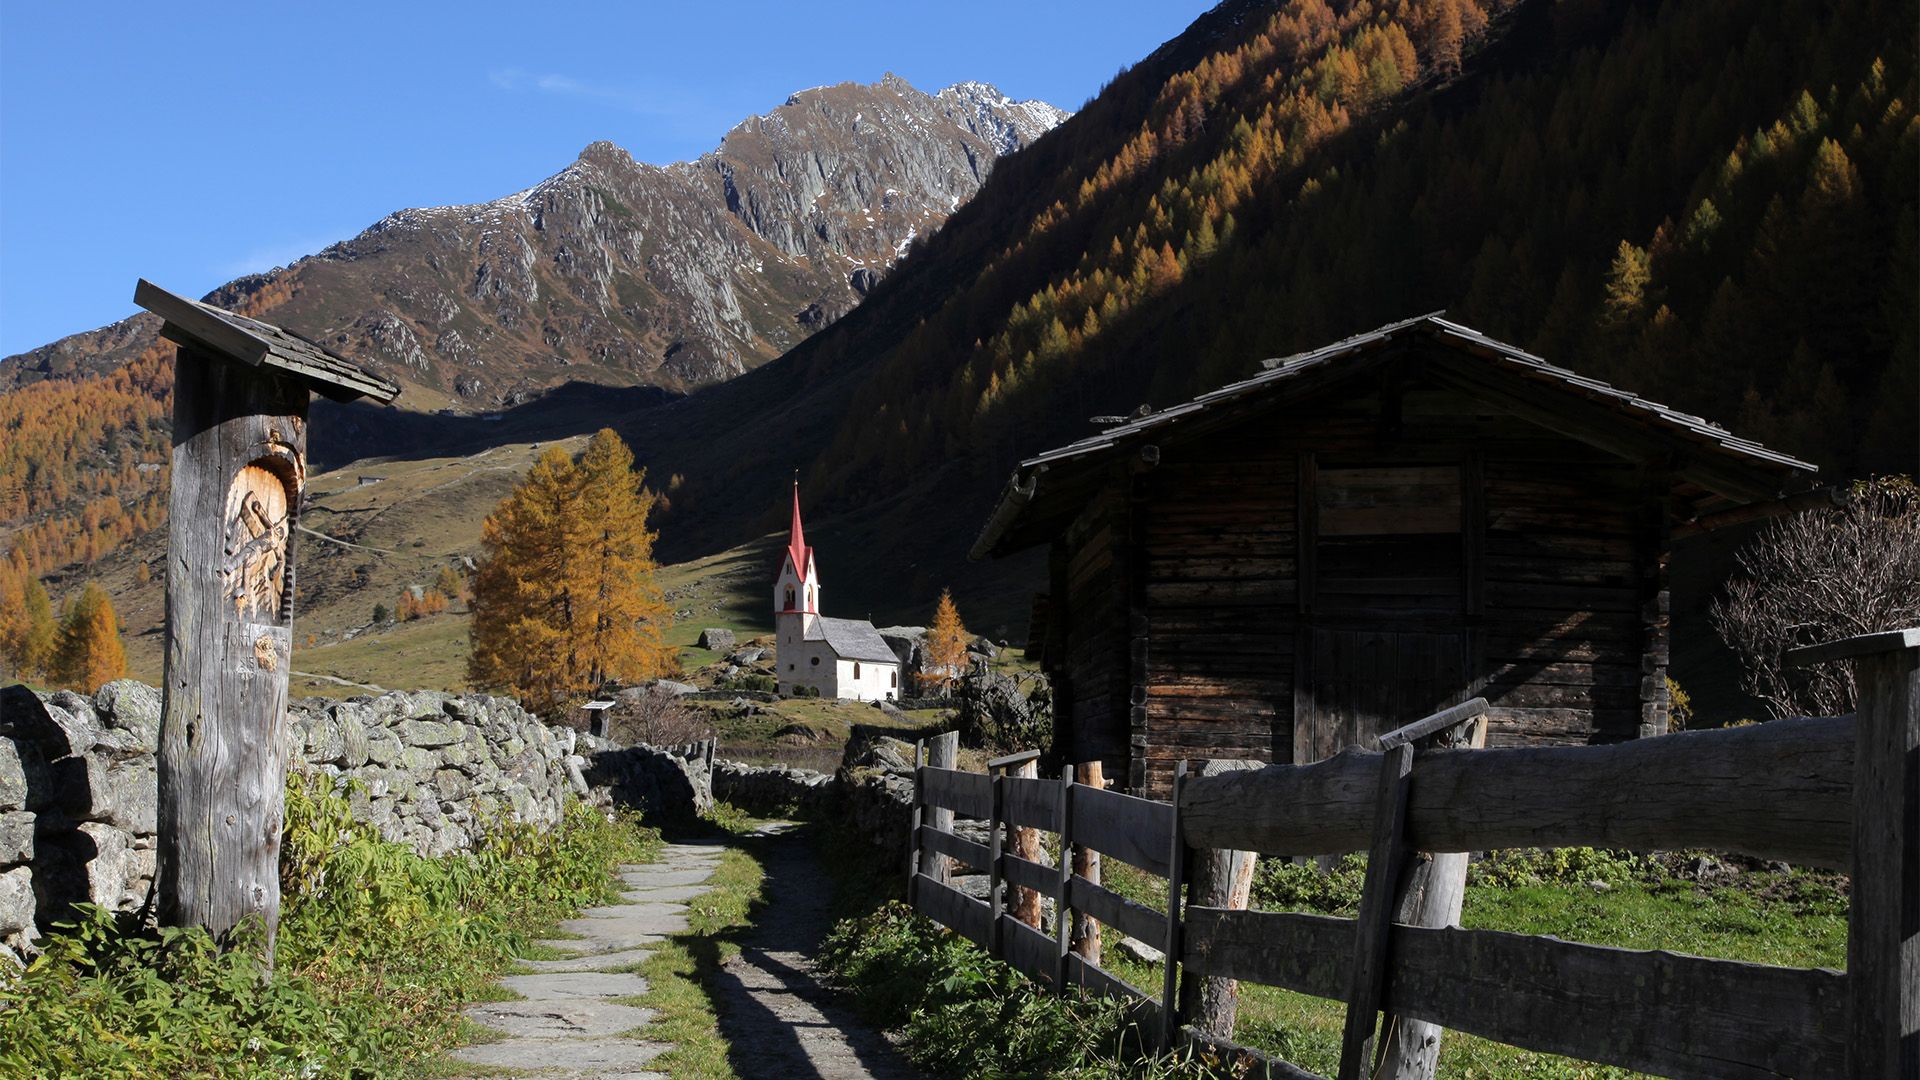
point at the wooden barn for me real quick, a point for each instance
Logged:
(1361, 535)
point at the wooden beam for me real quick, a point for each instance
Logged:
(1883, 921)
(943, 752)
(1086, 867)
(1221, 878)
(1130, 829)
(1439, 722)
(1386, 861)
(952, 790)
(1781, 790)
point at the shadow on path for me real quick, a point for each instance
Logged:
(777, 1019)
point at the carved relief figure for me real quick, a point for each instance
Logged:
(256, 548)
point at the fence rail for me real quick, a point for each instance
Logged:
(1836, 792)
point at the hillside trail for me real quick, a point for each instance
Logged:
(584, 1017)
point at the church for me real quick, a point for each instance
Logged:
(833, 658)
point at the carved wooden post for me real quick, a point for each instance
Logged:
(239, 468)
(1086, 864)
(1883, 923)
(1222, 879)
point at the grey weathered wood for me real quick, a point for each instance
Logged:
(914, 849)
(238, 467)
(1780, 790)
(1655, 1012)
(1386, 861)
(954, 910)
(1022, 794)
(1133, 830)
(996, 873)
(962, 792)
(1883, 926)
(1170, 944)
(1007, 762)
(1025, 875)
(1311, 954)
(1218, 1055)
(1063, 874)
(1220, 878)
(1430, 725)
(1109, 907)
(1431, 894)
(943, 752)
(1028, 950)
(957, 847)
(1144, 1011)
(250, 342)
(1086, 866)
(1030, 801)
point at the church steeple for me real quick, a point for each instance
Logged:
(797, 589)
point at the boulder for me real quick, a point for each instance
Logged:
(16, 838)
(716, 639)
(16, 901)
(426, 734)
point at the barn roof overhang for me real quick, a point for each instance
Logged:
(1047, 491)
(257, 344)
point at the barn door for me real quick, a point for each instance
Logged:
(1383, 638)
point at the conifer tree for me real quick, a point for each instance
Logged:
(564, 597)
(27, 630)
(89, 653)
(946, 645)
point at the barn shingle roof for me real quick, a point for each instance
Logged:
(852, 639)
(1737, 470)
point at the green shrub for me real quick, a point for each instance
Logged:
(960, 1013)
(1279, 885)
(377, 949)
(1519, 867)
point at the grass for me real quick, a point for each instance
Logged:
(681, 969)
(1790, 918)
(377, 950)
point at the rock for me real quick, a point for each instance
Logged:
(677, 689)
(1599, 886)
(716, 639)
(16, 901)
(747, 656)
(13, 777)
(133, 707)
(427, 734)
(984, 647)
(452, 785)
(1139, 951)
(107, 870)
(16, 838)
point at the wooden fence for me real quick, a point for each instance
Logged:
(1839, 792)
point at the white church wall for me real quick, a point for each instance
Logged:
(862, 680)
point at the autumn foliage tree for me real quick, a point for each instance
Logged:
(89, 653)
(27, 630)
(564, 597)
(946, 645)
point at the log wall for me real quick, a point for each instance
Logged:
(1550, 592)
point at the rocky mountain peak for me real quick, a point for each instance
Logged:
(620, 272)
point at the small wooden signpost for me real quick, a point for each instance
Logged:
(240, 395)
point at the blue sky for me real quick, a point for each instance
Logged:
(191, 143)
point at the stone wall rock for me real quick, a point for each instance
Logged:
(79, 789)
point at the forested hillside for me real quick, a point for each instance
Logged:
(1711, 203)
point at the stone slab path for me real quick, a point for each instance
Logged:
(780, 1022)
(567, 1025)
(572, 1022)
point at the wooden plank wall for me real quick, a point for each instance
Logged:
(1566, 620)
(1219, 540)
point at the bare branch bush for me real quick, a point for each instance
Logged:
(657, 718)
(1817, 576)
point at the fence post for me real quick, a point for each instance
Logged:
(1086, 864)
(1883, 925)
(943, 752)
(1170, 948)
(1221, 878)
(1385, 860)
(996, 882)
(1026, 845)
(1062, 921)
(913, 822)
(1430, 895)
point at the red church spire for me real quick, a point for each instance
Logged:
(797, 548)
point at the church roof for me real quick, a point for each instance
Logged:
(797, 548)
(852, 639)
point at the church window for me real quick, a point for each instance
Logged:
(895, 680)
(856, 669)
(789, 598)
(816, 661)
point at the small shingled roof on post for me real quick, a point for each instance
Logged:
(241, 388)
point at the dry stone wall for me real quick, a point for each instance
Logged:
(79, 787)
